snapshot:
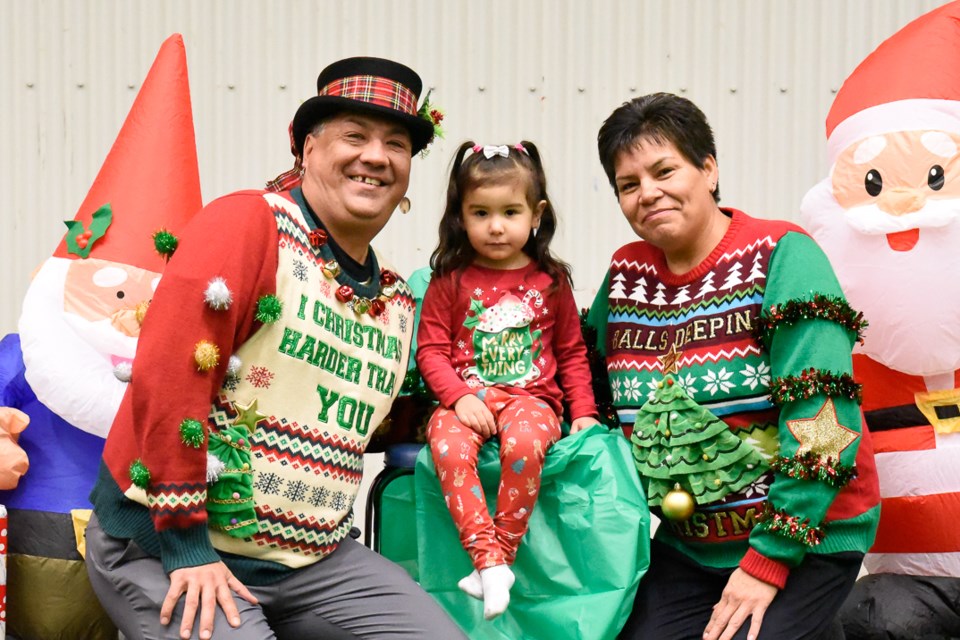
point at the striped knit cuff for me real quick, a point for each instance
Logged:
(765, 569)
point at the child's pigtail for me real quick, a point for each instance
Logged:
(538, 247)
(453, 250)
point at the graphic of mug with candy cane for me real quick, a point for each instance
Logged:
(504, 346)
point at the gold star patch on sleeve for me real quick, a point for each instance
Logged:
(248, 416)
(822, 435)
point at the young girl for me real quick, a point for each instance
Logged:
(500, 347)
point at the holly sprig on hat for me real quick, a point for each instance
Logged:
(80, 239)
(432, 114)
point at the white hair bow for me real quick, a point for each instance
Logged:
(489, 151)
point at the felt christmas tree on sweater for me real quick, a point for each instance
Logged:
(687, 455)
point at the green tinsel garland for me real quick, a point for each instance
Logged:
(811, 382)
(139, 474)
(165, 243)
(790, 527)
(809, 466)
(824, 307)
(269, 309)
(191, 433)
(598, 373)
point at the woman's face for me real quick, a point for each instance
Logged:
(665, 198)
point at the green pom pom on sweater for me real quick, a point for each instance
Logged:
(165, 243)
(269, 309)
(191, 433)
(139, 474)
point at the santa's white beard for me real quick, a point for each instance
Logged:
(910, 298)
(68, 363)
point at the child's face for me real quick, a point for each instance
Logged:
(498, 220)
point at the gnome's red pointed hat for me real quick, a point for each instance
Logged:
(911, 82)
(150, 180)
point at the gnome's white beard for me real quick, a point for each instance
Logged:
(910, 298)
(67, 358)
(102, 336)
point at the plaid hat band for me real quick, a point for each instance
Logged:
(374, 90)
(372, 86)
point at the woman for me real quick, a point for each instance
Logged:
(716, 316)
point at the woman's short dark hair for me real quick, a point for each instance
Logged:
(661, 117)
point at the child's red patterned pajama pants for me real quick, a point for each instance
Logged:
(526, 428)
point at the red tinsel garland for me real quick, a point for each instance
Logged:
(809, 466)
(813, 381)
(821, 306)
(790, 527)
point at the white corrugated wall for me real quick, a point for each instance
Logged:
(764, 71)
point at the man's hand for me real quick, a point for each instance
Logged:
(743, 597)
(205, 587)
(473, 413)
(582, 423)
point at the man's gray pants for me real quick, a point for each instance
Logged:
(354, 593)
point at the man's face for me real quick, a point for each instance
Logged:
(356, 170)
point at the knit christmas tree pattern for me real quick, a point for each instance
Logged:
(676, 441)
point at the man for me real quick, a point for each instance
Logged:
(889, 219)
(225, 499)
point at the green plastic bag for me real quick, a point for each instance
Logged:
(580, 563)
(398, 530)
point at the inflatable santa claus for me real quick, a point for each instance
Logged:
(888, 217)
(68, 368)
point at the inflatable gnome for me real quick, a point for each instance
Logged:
(888, 216)
(67, 369)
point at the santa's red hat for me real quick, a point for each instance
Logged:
(150, 180)
(911, 82)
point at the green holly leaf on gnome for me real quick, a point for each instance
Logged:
(79, 239)
(676, 441)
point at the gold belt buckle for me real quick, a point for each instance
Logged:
(941, 409)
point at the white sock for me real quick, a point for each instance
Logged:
(496, 590)
(472, 585)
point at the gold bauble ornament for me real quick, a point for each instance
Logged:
(206, 355)
(677, 505)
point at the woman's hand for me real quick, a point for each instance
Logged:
(205, 587)
(582, 423)
(743, 597)
(473, 413)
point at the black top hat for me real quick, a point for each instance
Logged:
(372, 85)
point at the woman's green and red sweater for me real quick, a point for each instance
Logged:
(764, 340)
